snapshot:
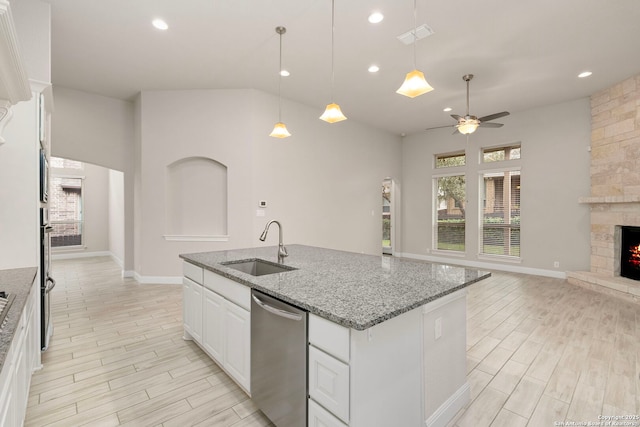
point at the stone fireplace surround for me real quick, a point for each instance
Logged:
(615, 187)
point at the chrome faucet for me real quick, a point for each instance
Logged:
(282, 251)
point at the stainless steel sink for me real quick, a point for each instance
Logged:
(257, 267)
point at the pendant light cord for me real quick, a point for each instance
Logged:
(280, 82)
(415, 32)
(333, 29)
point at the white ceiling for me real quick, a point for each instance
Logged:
(523, 53)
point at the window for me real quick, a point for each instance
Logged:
(450, 202)
(450, 160)
(498, 154)
(65, 212)
(500, 223)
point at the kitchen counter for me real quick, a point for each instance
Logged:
(353, 290)
(16, 281)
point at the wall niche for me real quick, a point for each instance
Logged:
(196, 200)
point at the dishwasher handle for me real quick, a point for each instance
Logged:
(277, 311)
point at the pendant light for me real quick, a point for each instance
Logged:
(280, 129)
(414, 83)
(332, 113)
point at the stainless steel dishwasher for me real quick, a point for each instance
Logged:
(279, 360)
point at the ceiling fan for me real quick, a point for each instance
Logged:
(468, 124)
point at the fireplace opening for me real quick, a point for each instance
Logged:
(630, 253)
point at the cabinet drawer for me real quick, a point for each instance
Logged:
(329, 336)
(329, 383)
(320, 417)
(233, 291)
(193, 272)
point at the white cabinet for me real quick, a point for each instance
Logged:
(213, 325)
(192, 309)
(329, 382)
(19, 364)
(320, 417)
(405, 371)
(370, 378)
(7, 406)
(216, 314)
(237, 343)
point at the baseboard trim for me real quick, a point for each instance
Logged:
(158, 280)
(487, 265)
(445, 413)
(71, 255)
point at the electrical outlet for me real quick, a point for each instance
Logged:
(556, 264)
(437, 333)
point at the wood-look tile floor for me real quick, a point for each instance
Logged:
(539, 351)
(117, 358)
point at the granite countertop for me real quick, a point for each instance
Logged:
(16, 281)
(353, 290)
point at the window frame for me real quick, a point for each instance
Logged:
(459, 170)
(508, 167)
(81, 222)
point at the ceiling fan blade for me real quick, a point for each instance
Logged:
(490, 125)
(456, 117)
(493, 116)
(440, 127)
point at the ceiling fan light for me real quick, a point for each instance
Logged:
(280, 131)
(414, 85)
(467, 128)
(333, 114)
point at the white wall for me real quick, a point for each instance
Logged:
(323, 183)
(555, 173)
(98, 130)
(116, 215)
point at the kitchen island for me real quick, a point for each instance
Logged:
(395, 328)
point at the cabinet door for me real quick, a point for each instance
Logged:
(21, 385)
(320, 417)
(196, 307)
(237, 347)
(213, 325)
(329, 382)
(187, 314)
(192, 308)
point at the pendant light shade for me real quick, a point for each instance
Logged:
(414, 83)
(332, 113)
(280, 129)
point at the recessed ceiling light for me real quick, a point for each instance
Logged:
(374, 69)
(447, 109)
(584, 74)
(376, 17)
(285, 73)
(160, 24)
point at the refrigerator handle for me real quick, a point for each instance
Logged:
(48, 288)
